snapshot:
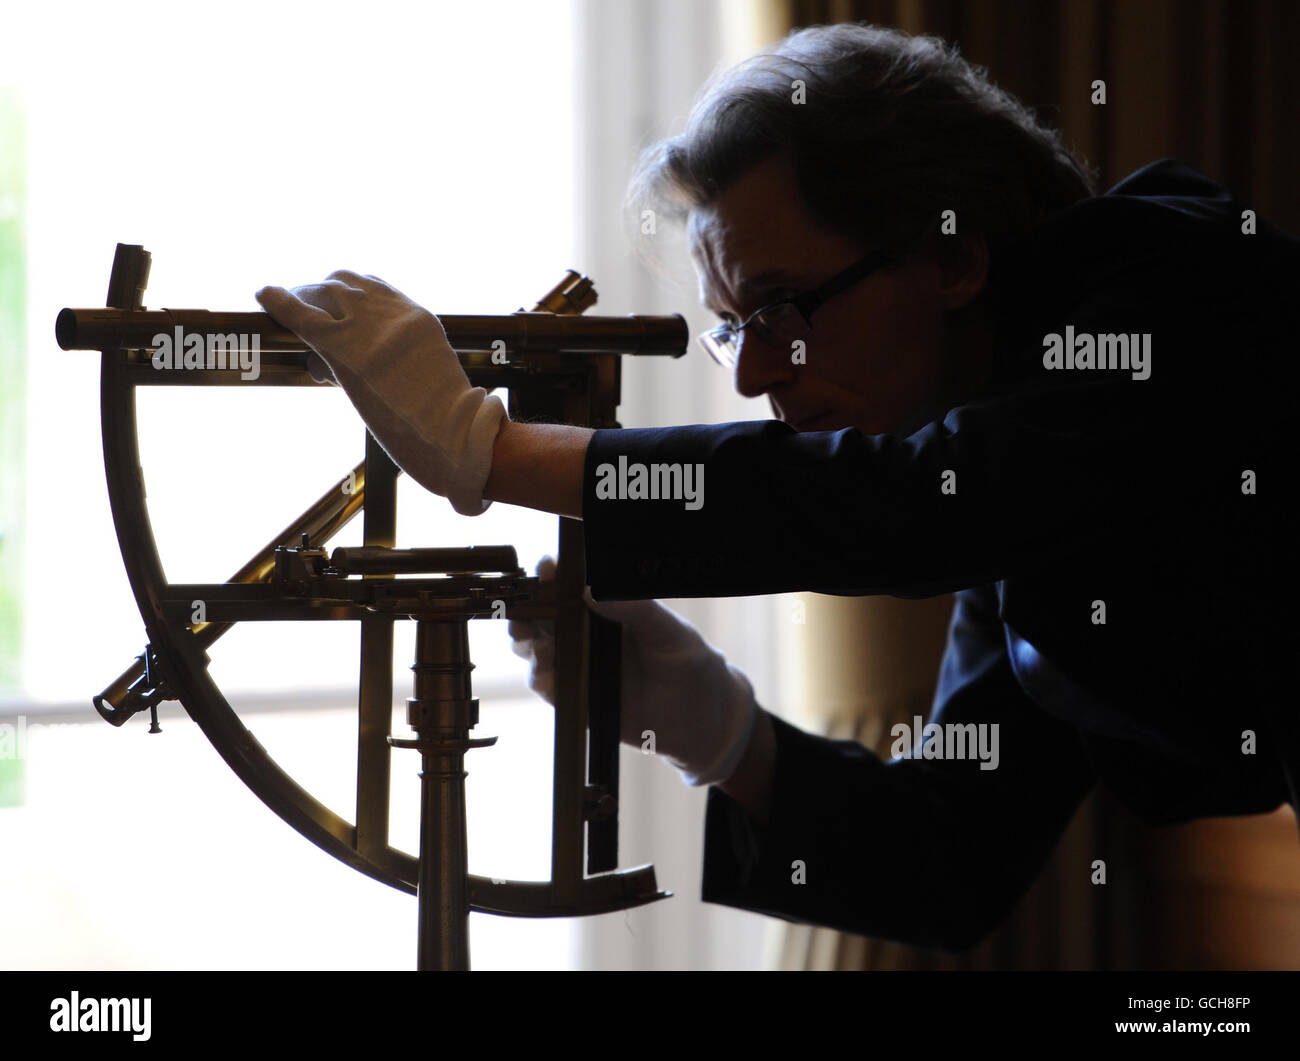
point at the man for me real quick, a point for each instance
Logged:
(1069, 409)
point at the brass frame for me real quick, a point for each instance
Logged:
(573, 379)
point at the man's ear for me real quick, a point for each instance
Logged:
(963, 268)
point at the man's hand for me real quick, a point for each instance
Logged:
(700, 708)
(393, 360)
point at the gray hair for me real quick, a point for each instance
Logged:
(893, 130)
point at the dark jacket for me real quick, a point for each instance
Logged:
(1073, 487)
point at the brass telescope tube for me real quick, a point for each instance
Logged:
(126, 329)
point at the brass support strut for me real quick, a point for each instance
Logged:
(442, 712)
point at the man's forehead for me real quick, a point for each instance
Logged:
(726, 241)
(737, 257)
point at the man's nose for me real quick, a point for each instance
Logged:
(760, 366)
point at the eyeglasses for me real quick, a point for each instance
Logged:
(789, 320)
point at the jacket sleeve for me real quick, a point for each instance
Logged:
(998, 486)
(928, 852)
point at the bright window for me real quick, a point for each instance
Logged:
(425, 145)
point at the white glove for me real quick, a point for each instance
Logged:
(700, 708)
(393, 360)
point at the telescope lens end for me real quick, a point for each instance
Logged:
(65, 329)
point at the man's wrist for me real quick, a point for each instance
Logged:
(539, 466)
(750, 784)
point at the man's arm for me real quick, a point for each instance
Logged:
(928, 852)
(1005, 484)
(539, 466)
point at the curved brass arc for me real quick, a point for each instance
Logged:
(183, 659)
